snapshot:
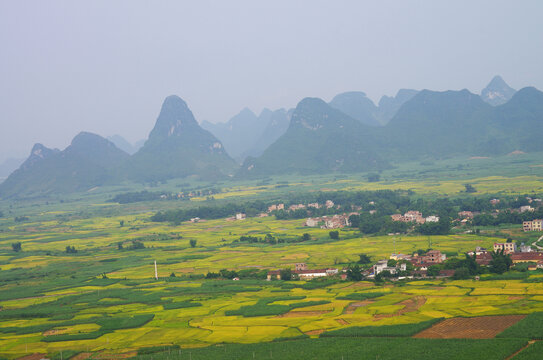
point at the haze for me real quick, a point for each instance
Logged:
(106, 67)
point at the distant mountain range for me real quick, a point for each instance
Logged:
(350, 134)
(177, 147)
(124, 145)
(244, 134)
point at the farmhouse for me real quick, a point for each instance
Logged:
(526, 257)
(296, 207)
(312, 222)
(240, 216)
(430, 258)
(382, 265)
(303, 272)
(276, 207)
(534, 225)
(465, 215)
(508, 248)
(414, 216)
(483, 259)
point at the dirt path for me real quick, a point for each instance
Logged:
(519, 350)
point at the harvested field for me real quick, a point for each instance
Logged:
(353, 306)
(315, 332)
(410, 305)
(342, 322)
(483, 327)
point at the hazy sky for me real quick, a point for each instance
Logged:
(106, 66)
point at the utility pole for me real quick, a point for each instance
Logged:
(156, 272)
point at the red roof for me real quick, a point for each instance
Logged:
(529, 256)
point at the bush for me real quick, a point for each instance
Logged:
(16, 246)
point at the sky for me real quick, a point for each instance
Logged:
(106, 66)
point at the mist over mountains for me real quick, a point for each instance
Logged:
(349, 134)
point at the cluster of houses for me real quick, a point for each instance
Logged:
(414, 216)
(275, 207)
(330, 222)
(304, 273)
(518, 255)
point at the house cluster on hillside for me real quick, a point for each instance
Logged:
(275, 207)
(304, 273)
(414, 216)
(330, 222)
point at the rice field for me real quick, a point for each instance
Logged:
(104, 299)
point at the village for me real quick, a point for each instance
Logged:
(430, 263)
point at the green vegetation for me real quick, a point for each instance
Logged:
(263, 307)
(350, 348)
(530, 327)
(382, 331)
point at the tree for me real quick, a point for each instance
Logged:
(71, 249)
(433, 270)
(354, 273)
(192, 243)
(1, 214)
(121, 223)
(334, 235)
(306, 237)
(470, 189)
(16, 246)
(461, 274)
(120, 245)
(500, 262)
(286, 274)
(374, 177)
(391, 263)
(172, 274)
(364, 259)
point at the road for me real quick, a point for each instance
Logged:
(537, 246)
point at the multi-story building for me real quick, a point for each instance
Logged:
(508, 248)
(534, 225)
